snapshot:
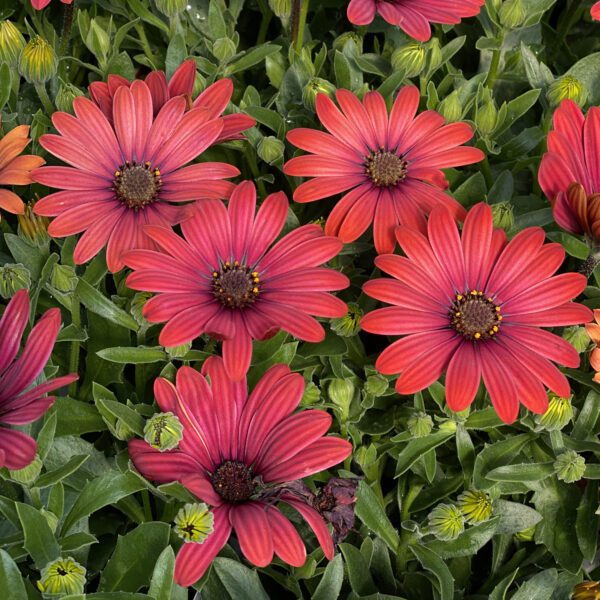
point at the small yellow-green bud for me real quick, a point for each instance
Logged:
(512, 13)
(312, 394)
(502, 215)
(348, 36)
(376, 385)
(271, 149)
(178, 352)
(349, 324)
(38, 61)
(341, 393)
(223, 49)
(194, 523)
(558, 414)
(419, 424)
(586, 590)
(98, 40)
(315, 87)
(526, 535)
(12, 43)
(67, 92)
(486, 117)
(577, 337)
(410, 59)
(450, 108)
(137, 306)
(171, 8)
(446, 522)
(476, 506)
(63, 278)
(281, 8)
(12, 279)
(566, 87)
(63, 576)
(32, 227)
(569, 466)
(449, 425)
(163, 431)
(28, 474)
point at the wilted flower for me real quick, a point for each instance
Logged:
(502, 215)
(163, 431)
(38, 61)
(419, 424)
(587, 590)
(194, 522)
(446, 522)
(335, 503)
(567, 87)
(62, 576)
(410, 59)
(559, 413)
(476, 506)
(349, 324)
(12, 43)
(569, 466)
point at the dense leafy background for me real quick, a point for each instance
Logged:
(87, 503)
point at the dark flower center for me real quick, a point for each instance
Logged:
(235, 285)
(234, 481)
(136, 185)
(61, 571)
(385, 169)
(474, 316)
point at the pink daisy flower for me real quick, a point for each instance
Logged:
(39, 4)
(242, 462)
(473, 306)
(214, 99)
(569, 173)
(18, 404)
(228, 280)
(413, 16)
(392, 164)
(129, 174)
(596, 11)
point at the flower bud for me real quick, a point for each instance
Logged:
(349, 324)
(178, 352)
(312, 394)
(512, 14)
(62, 576)
(586, 590)
(171, 8)
(487, 117)
(446, 522)
(98, 40)
(281, 8)
(348, 36)
(137, 306)
(270, 149)
(419, 424)
(526, 535)
(194, 523)
(67, 92)
(449, 425)
(577, 337)
(314, 87)
(32, 227)
(12, 279)
(163, 431)
(475, 506)
(435, 57)
(566, 87)
(376, 385)
(38, 61)
(410, 59)
(450, 108)
(558, 414)
(366, 458)
(12, 43)
(28, 474)
(63, 278)
(223, 49)
(569, 466)
(341, 393)
(502, 215)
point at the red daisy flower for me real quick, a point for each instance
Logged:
(413, 16)
(19, 405)
(39, 4)
(127, 175)
(214, 99)
(391, 163)
(569, 172)
(241, 462)
(473, 306)
(596, 11)
(225, 278)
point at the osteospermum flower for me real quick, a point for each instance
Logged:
(15, 168)
(568, 174)
(214, 99)
(413, 16)
(225, 278)
(18, 404)
(593, 330)
(244, 462)
(474, 306)
(391, 163)
(39, 4)
(129, 174)
(596, 11)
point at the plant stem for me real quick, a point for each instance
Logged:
(487, 173)
(40, 88)
(299, 14)
(65, 36)
(75, 344)
(250, 157)
(493, 72)
(267, 15)
(140, 370)
(146, 45)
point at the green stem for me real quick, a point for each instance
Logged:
(75, 344)
(251, 158)
(65, 36)
(267, 15)
(487, 173)
(493, 72)
(146, 45)
(140, 370)
(299, 14)
(40, 88)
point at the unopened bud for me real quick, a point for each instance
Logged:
(194, 523)
(62, 577)
(558, 414)
(178, 352)
(410, 59)
(311, 394)
(577, 337)
(314, 87)
(376, 385)
(171, 8)
(450, 108)
(420, 424)
(281, 8)
(67, 92)
(341, 393)
(476, 506)
(63, 278)
(163, 431)
(12, 43)
(12, 279)
(512, 13)
(223, 49)
(486, 117)
(446, 522)
(28, 474)
(38, 61)
(271, 149)
(567, 87)
(32, 227)
(98, 40)
(569, 466)
(349, 324)
(502, 215)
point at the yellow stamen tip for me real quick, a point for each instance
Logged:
(477, 335)
(459, 297)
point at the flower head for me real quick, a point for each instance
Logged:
(19, 403)
(194, 523)
(390, 163)
(62, 576)
(413, 16)
(128, 174)
(33, 227)
(243, 463)
(596, 11)
(446, 522)
(335, 503)
(476, 506)
(38, 61)
(587, 590)
(226, 279)
(163, 431)
(473, 306)
(39, 4)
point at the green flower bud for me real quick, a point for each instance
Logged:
(349, 324)
(67, 92)
(341, 393)
(12, 279)
(512, 14)
(502, 215)
(171, 8)
(312, 394)
(448, 425)
(137, 306)
(98, 40)
(163, 431)
(177, 352)
(567, 87)
(367, 459)
(376, 385)
(348, 36)
(194, 523)
(446, 522)
(577, 337)
(486, 118)
(558, 414)
(271, 149)
(315, 87)
(450, 108)
(526, 535)
(51, 519)
(569, 466)
(62, 576)
(586, 590)
(63, 278)
(410, 59)
(38, 61)
(435, 56)
(28, 474)
(12, 43)
(475, 506)
(33, 228)
(223, 49)
(419, 424)
(281, 8)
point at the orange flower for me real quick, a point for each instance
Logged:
(593, 330)
(15, 168)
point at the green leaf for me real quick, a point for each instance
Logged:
(417, 447)
(573, 246)
(514, 516)
(5, 84)
(587, 521)
(133, 356)
(467, 543)
(358, 571)
(239, 581)
(539, 587)
(76, 417)
(97, 303)
(522, 473)
(161, 583)
(369, 510)
(121, 411)
(434, 563)
(176, 54)
(251, 58)
(40, 542)
(330, 586)
(587, 70)
(53, 477)
(146, 15)
(11, 581)
(496, 455)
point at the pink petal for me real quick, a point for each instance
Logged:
(251, 526)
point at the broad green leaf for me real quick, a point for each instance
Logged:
(357, 570)
(434, 563)
(11, 581)
(95, 301)
(330, 585)
(419, 446)
(239, 581)
(40, 542)
(251, 58)
(522, 473)
(539, 587)
(467, 543)
(53, 477)
(162, 576)
(133, 356)
(514, 516)
(369, 510)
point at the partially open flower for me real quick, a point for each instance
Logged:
(567, 87)
(476, 506)
(446, 522)
(559, 413)
(194, 522)
(62, 576)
